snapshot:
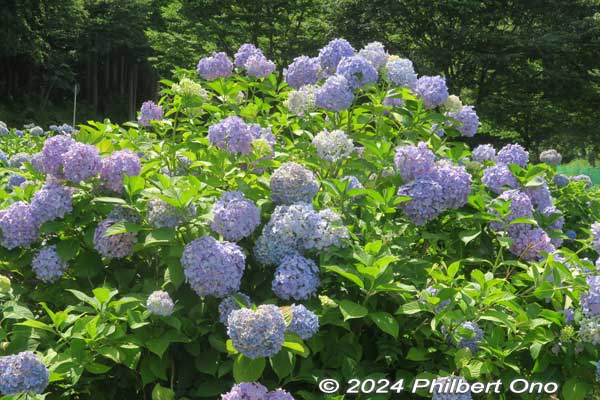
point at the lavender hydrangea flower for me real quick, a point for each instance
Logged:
(400, 72)
(23, 373)
(113, 246)
(118, 164)
(246, 391)
(51, 202)
(37, 162)
(229, 304)
(302, 71)
(17, 160)
(47, 264)
(304, 322)
(161, 214)
(414, 161)
(513, 153)
(213, 268)
(257, 333)
(259, 66)
(590, 301)
(520, 207)
(36, 131)
(561, 180)
(445, 389)
(3, 158)
(331, 55)
(64, 129)
(569, 315)
(301, 101)
(279, 394)
(150, 111)
(550, 157)
(81, 163)
(595, 228)
(589, 330)
(333, 146)
(234, 216)
(231, 134)
(292, 183)
(392, 101)
(432, 90)
(244, 52)
(455, 182)
(468, 119)
(52, 153)
(529, 242)
(471, 343)
(15, 180)
(557, 224)
(18, 226)
(160, 303)
(582, 178)
(497, 177)
(426, 200)
(358, 71)
(353, 183)
(375, 53)
(540, 195)
(484, 152)
(335, 94)
(330, 231)
(216, 66)
(296, 278)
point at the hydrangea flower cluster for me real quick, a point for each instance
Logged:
(432, 90)
(582, 178)
(15, 180)
(292, 183)
(353, 183)
(47, 264)
(455, 182)
(446, 389)
(3, 129)
(358, 71)
(160, 303)
(216, 66)
(497, 177)
(335, 94)
(3, 158)
(561, 180)
(81, 162)
(52, 153)
(472, 342)
(330, 231)
(392, 101)
(257, 333)
(468, 119)
(414, 161)
(244, 53)
(540, 195)
(17, 160)
(259, 66)
(484, 152)
(229, 304)
(333, 146)
(550, 157)
(520, 207)
(590, 301)
(213, 268)
(589, 330)
(114, 246)
(18, 225)
(115, 166)
(375, 53)
(234, 135)
(528, 242)
(150, 111)
(23, 373)
(188, 88)
(64, 129)
(304, 322)
(301, 101)
(453, 104)
(234, 216)
(161, 214)
(595, 228)
(331, 55)
(36, 131)
(426, 200)
(302, 71)
(513, 154)
(400, 72)
(255, 391)
(296, 278)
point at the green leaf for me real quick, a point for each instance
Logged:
(386, 322)
(103, 295)
(453, 269)
(351, 310)
(248, 370)
(574, 389)
(283, 364)
(296, 345)
(110, 200)
(413, 307)
(67, 249)
(174, 272)
(85, 298)
(162, 393)
(417, 354)
(347, 273)
(31, 323)
(469, 236)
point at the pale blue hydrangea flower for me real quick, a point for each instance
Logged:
(520, 207)
(375, 53)
(498, 177)
(47, 264)
(557, 224)
(484, 152)
(259, 66)
(81, 162)
(432, 90)
(3, 158)
(246, 391)
(216, 66)
(333, 146)
(468, 119)
(244, 52)
(513, 153)
(52, 152)
(301, 101)
(292, 183)
(471, 343)
(598, 371)
(529, 242)
(161, 214)
(15, 180)
(118, 164)
(279, 394)
(52, 201)
(455, 182)
(302, 71)
(540, 195)
(595, 228)
(18, 226)
(231, 134)
(17, 160)
(257, 333)
(150, 111)
(414, 161)
(400, 72)
(113, 246)
(3, 129)
(296, 278)
(561, 180)
(589, 330)
(590, 300)
(23, 373)
(37, 162)
(426, 201)
(304, 322)
(433, 292)
(331, 55)
(160, 303)
(330, 231)
(36, 131)
(443, 389)
(335, 94)
(353, 183)
(358, 71)
(582, 178)
(234, 216)
(229, 304)
(550, 157)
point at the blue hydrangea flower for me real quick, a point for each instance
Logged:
(244, 52)
(279, 394)
(17, 160)
(229, 304)
(392, 102)
(3, 158)
(3, 129)
(118, 164)
(335, 94)
(595, 228)
(150, 111)
(540, 195)
(550, 157)
(455, 182)
(513, 153)
(81, 163)
(161, 214)
(590, 300)
(484, 152)
(231, 134)
(582, 178)
(472, 342)
(234, 216)
(259, 66)
(400, 72)
(64, 129)
(330, 231)
(561, 180)
(213, 268)
(301, 101)
(292, 183)
(113, 246)
(15, 180)
(52, 152)
(296, 278)
(375, 53)
(257, 333)
(333, 146)
(446, 389)
(47, 264)
(498, 177)
(246, 391)
(304, 322)
(37, 162)
(589, 330)
(358, 71)
(528, 242)
(571, 234)
(520, 207)
(331, 55)
(468, 119)
(36, 131)
(18, 226)
(353, 183)
(216, 66)
(23, 373)
(160, 303)
(302, 71)
(432, 90)
(414, 161)
(51, 202)
(427, 200)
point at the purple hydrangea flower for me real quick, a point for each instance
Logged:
(400, 72)
(375, 53)
(393, 101)
(595, 228)
(150, 111)
(427, 200)
(259, 66)
(550, 157)
(331, 55)
(302, 71)
(161, 214)
(246, 391)
(561, 180)
(51, 202)
(18, 226)
(231, 134)
(37, 162)
(520, 207)
(118, 164)
(244, 52)
(432, 90)
(557, 224)
(358, 71)
(81, 163)
(529, 242)
(589, 330)
(468, 119)
(292, 183)
(296, 278)
(257, 333)
(569, 315)
(279, 394)
(335, 94)
(160, 303)
(113, 246)
(52, 152)
(3, 158)
(330, 231)
(443, 389)
(23, 373)
(414, 161)
(455, 182)
(598, 371)
(540, 195)
(213, 268)
(15, 180)
(513, 153)
(582, 178)
(484, 152)
(229, 304)
(47, 264)
(333, 146)
(216, 66)
(497, 177)
(304, 322)
(17, 160)
(590, 301)
(234, 216)
(472, 342)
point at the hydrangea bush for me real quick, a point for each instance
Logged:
(260, 228)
